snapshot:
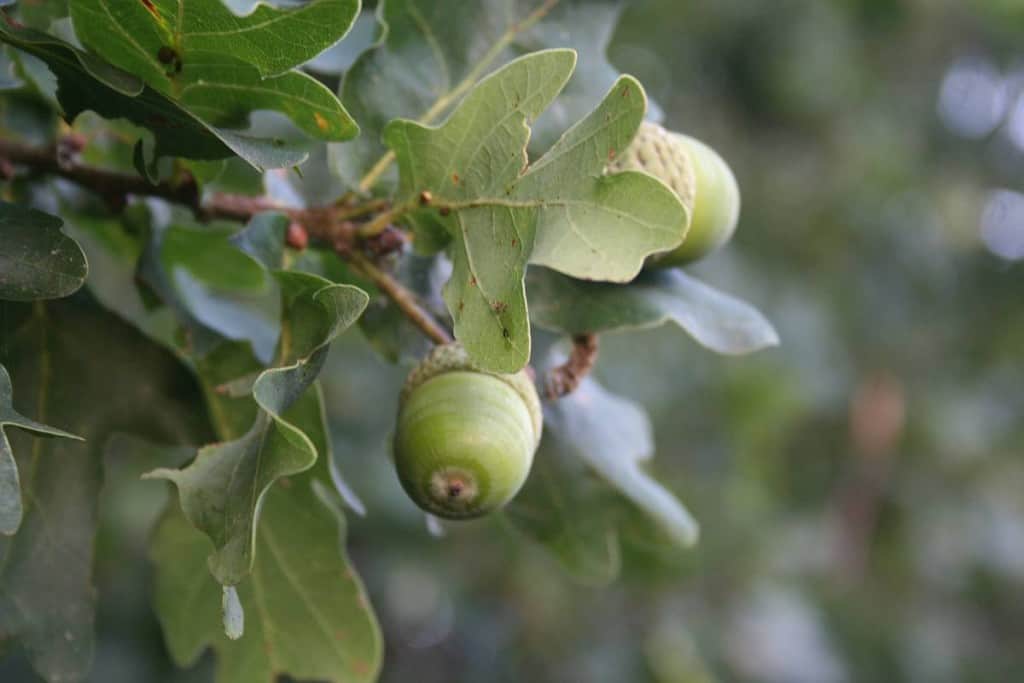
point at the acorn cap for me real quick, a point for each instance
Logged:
(659, 152)
(453, 358)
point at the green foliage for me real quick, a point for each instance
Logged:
(11, 510)
(560, 211)
(715, 320)
(221, 66)
(432, 52)
(482, 132)
(85, 82)
(47, 600)
(38, 261)
(570, 512)
(223, 490)
(308, 612)
(613, 435)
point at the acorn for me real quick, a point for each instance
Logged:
(701, 179)
(465, 438)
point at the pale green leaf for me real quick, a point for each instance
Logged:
(221, 492)
(613, 435)
(431, 52)
(215, 278)
(37, 260)
(714, 319)
(306, 611)
(208, 253)
(472, 161)
(594, 226)
(585, 222)
(568, 511)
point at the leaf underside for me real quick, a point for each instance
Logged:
(561, 211)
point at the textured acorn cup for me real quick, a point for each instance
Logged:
(701, 179)
(465, 438)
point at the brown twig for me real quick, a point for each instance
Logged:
(403, 298)
(112, 186)
(564, 379)
(331, 225)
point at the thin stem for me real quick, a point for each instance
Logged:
(108, 184)
(442, 103)
(382, 221)
(403, 298)
(330, 225)
(566, 378)
(359, 210)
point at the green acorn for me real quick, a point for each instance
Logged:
(465, 438)
(701, 179)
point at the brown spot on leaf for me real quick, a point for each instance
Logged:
(472, 281)
(426, 198)
(321, 122)
(445, 211)
(515, 242)
(150, 7)
(625, 91)
(611, 155)
(499, 306)
(455, 178)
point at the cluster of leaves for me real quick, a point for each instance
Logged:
(206, 333)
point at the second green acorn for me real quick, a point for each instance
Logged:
(701, 179)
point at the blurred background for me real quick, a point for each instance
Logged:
(859, 488)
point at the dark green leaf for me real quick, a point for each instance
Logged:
(92, 374)
(85, 82)
(221, 66)
(10, 489)
(713, 319)
(37, 260)
(270, 39)
(40, 13)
